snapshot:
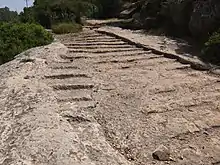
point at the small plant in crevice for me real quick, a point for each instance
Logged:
(211, 50)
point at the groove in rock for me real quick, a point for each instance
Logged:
(127, 61)
(94, 38)
(102, 51)
(66, 76)
(65, 67)
(63, 62)
(72, 87)
(106, 56)
(88, 35)
(98, 40)
(74, 99)
(77, 119)
(72, 57)
(183, 68)
(99, 47)
(95, 44)
(126, 55)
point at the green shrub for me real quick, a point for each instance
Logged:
(15, 38)
(64, 28)
(211, 50)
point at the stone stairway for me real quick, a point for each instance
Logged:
(140, 98)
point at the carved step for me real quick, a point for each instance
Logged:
(128, 60)
(72, 86)
(103, 50)
(71, 80)
(96, 40)
(95, 44)
(99, 47)
(66, 73)
(74, 95)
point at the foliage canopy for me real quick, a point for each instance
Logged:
(50, 12)
(6, 15)
(211, 50)
(15, 38)
(64, 28)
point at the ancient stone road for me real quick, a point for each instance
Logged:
(142, 100)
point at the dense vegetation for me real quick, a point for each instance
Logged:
(211, 50)
(6, 15)
(15, 38)
(64, 28)
(50, 12)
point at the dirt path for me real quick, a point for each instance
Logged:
(141, 100)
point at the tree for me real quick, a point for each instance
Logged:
(108, 8)
(49, 12)
(6, 15)
(27, 16)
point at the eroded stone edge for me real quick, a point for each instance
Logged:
(195, 63)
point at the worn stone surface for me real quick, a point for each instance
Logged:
(99, 100)
(145, 100)
(35, 128)
(160, 43)
(162, 153)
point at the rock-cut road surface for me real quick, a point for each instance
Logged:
(126, 102)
